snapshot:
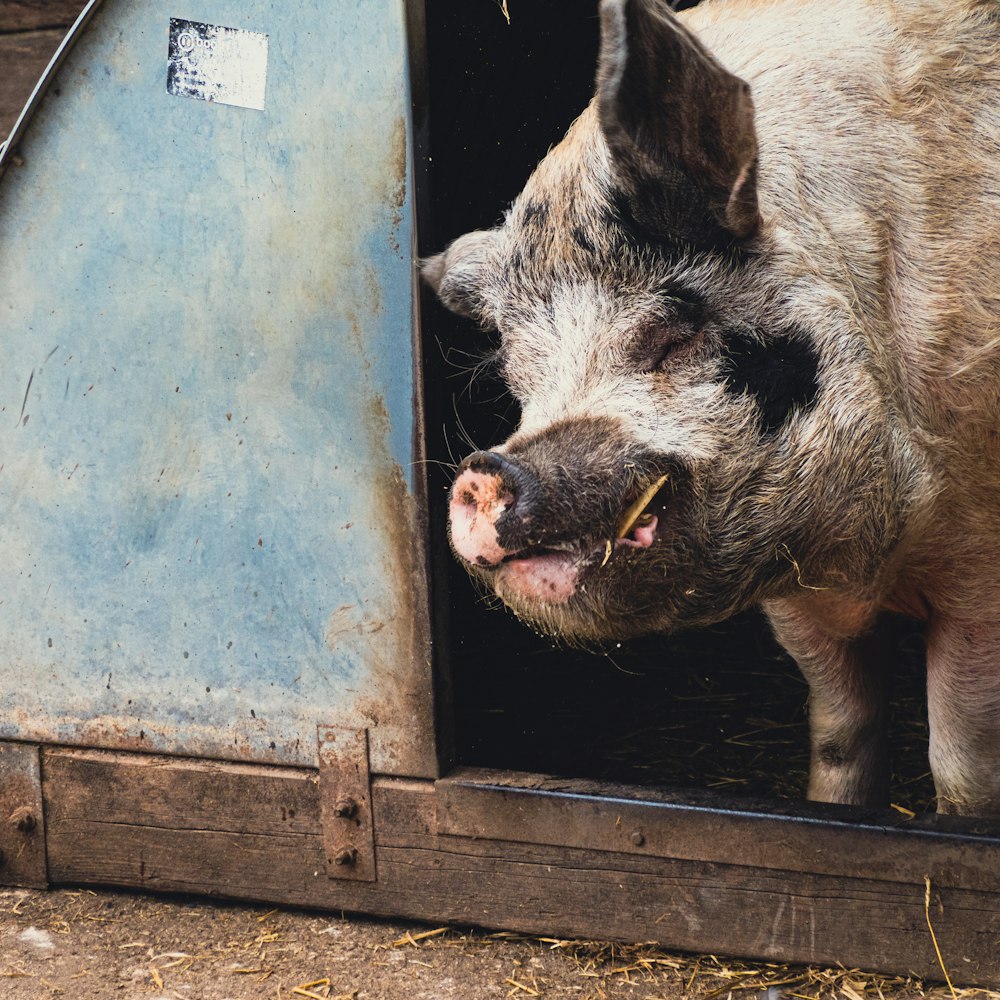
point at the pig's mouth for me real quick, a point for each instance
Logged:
(555, 573)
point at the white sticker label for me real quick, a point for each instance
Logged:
(212, 63)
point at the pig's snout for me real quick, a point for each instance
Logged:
(491, 508)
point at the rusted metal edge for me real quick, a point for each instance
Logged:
(22, 820)
(433, 551)
(804, 837)
(9, 147)
(346, 804)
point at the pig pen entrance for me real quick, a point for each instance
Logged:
(721, 709)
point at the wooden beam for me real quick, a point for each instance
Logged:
(252, 832)
(807, 837)
(22, 820)
(23, 58)
(31, 15)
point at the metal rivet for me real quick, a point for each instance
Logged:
(22, 819)
(637, 838)
(345, 808)
(346, 856)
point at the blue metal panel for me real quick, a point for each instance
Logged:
(209, 479)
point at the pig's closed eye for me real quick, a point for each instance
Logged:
(672, 334)
(659, 347)
(667, 353)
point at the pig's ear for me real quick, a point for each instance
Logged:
(673, 117)
(457, 274)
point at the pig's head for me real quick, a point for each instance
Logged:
(685, 450)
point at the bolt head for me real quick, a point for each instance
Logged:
(346, 856)
(637, 838)
(345, 808)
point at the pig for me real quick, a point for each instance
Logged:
(750, 309)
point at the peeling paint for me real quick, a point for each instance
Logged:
(209, 62)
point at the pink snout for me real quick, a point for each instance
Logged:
(491, 508)
(478, 500)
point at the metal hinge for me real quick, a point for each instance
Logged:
(346, 803)
(22, 827)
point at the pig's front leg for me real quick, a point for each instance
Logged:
(963, 702)
(848, 679)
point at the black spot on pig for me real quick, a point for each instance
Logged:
(535, 213)
(779, 372)
(661, 227)
(687, 304)
(672, 215)
(634, 230)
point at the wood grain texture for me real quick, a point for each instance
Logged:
(22, 820)
(30, 15)
(30, 33)
(809, 837)
(23, 58)
(254, 833)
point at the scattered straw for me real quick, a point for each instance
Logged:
(930, 927)
(176, 958)
(518, 987)
(554, 943)
(13, 972)
(600, 968)
(849, 991)
(708, 977)
(743, 987)
(307, 990)
(502, 4)
(412, 939)
(694, 975)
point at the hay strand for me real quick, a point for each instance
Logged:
(930, 927)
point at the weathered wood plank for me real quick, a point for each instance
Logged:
(23, 59)
(31, 15)
(22, 820)
(806, 837)
(254, 833)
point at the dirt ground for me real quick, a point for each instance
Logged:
(87, 945)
